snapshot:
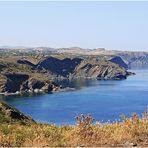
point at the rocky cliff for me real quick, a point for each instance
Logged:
(59, 67)
(85, 67)
(118, 60)
(23, 83)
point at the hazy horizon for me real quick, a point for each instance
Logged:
(110, 25)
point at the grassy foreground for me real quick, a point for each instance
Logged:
(130, 132)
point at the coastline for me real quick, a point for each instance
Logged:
(37, 92)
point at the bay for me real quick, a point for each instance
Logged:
(105, 100)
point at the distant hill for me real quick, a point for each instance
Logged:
(131, 58)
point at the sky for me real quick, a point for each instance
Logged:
(112, 25)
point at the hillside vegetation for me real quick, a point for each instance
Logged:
(130, 132)
(17, 129)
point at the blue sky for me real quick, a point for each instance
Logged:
(111, 25)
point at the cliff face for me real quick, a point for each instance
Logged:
(23, 83)
(118, 60)
(102, 71)
(83, 67)
(59, 67)
(26, 62)
(14, 82)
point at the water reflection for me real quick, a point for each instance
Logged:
(80, 83)
(76, 83)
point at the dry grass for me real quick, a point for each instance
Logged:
(131, 131)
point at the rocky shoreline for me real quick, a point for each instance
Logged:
(51, 88)
(20, 76)
(37, 91)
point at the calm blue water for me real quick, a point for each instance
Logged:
(105, 100)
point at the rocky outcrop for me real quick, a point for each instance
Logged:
(26, 62)
(34, 85)
(14, 82)
(104, 71)
(85, 68)
(23, 83)
(10, 115)
(59, 67)
(118, 60)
